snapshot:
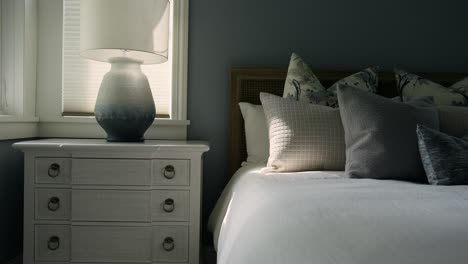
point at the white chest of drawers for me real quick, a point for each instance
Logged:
(89, 201)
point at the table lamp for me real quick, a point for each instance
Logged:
(126, 34)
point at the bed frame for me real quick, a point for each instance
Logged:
(247, 83)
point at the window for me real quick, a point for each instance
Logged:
(18, 43)
(7, 57)
(67, 84)
(47, 90)
(82, 77)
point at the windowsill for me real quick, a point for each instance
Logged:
(14, 127)
(92, 120)
(17, 119)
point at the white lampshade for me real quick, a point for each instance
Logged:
(137, 29)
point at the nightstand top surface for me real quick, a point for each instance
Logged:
(102, 144)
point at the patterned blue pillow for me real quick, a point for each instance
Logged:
(445, 158)
(411, 86)
(302, 84)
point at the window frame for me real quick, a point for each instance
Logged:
(22, 121)
(49, 84)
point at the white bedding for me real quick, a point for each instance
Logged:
(323, 217)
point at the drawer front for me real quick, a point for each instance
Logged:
(52, 243)
(52, 204)
(111, 205)
(111, 172)
(171, 172)
(170, 243)
(111, 244)
(53, 170)
(170, 205)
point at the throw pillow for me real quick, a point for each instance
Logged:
(256, 133)
(302, 84)
(411, 86)
(453, 120)
(303, 136)
(445, 157)
(380, 135)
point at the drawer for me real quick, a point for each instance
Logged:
(111, 244)
(111, 172)
(53, 170)
(52, 243)
(170, 205)
(170, 243)
(52, 204)
(171, 172)
(111, 205)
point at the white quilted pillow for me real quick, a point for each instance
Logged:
(303, 136)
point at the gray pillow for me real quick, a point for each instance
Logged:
(303, 136)
(453, 120)
(445, 157)
(380, 137)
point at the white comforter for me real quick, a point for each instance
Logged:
(323, 217)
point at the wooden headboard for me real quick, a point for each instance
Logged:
(247, 83)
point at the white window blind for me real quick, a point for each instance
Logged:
(7, 56)
(82, 77)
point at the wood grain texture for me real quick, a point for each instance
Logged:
(111, 172)
(111, 205)
(247, 83)
(111, 244)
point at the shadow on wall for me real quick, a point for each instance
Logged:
(11, 201)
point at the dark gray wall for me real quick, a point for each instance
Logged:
(418, 35)
(330, 34)
(11, 201)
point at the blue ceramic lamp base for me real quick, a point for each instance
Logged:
(124, 107)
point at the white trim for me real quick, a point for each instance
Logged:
(22, 122)
(25, 38)
(87, 127)
(91, 119)
(180, 59)
(49, 59)
(93, 130)
(20, 57)
(17, 119)
(18, 129)
(30, 58)
(12, 76)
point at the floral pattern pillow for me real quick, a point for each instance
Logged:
(302, 84)
(411, 86)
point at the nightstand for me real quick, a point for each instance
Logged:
(91, 201)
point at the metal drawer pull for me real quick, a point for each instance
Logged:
(54, 170)
(53, 243)
(53, 204)
(169, 172)
(168, 205)
(168, 244)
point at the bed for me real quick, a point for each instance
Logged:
(325, 217)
